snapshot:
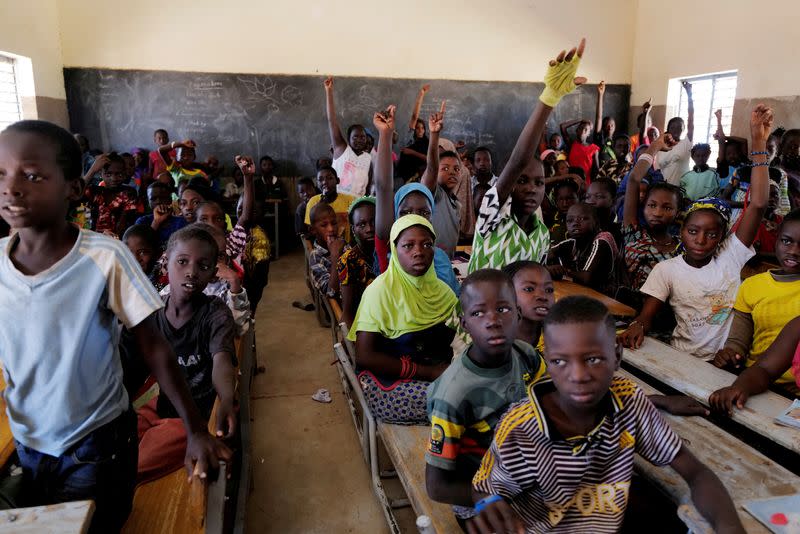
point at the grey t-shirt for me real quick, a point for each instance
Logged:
(446, 220)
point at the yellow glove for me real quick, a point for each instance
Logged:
(559, 80)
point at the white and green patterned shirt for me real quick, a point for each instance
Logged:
(499, 238)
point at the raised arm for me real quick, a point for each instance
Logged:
(630, 210)
(435, 125)
(384, 174)
(337, 140)
(99, 162)
(559, 81)
(760, 127)
(248, 167)
(564, 127)
(164, 150)
(647, 107)
(598, 115)
(690, 104)
(417, 106)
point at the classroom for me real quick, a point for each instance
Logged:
(416, 267)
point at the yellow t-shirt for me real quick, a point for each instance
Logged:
(771, 304)
(340, 206)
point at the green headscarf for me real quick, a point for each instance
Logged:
(397, 303)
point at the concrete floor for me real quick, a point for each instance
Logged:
(308, 472)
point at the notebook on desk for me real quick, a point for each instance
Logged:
(780, 515)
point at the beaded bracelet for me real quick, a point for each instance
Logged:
(761, 153)
(763, 164)
(483, 503)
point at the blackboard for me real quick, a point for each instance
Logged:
(284, 115)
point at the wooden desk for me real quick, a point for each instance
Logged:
(336, 309)
(406, 447)
(7, 447)
(276, 215)
(565, 288)
(698, 379)
(746, 473)
(68, 517)
(465, 248)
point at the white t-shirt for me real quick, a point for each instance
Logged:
(474, 181)
(702, 299)
(675, 163)
(353, 172)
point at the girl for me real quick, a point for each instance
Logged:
(255, 258)
(588, 254)
(357, 265)
(184, 166)
(781, 358)
(601, 195)
(645, 245)
(582, 152)
(565, 195)
(350, 158)
(701, 284)
(765, 303)
(143, 243)
(414, 156)
(402, 342)
(535, 296)
(413, 198)
(113, 205)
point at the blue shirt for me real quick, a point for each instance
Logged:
(59, 335)
(169, 227)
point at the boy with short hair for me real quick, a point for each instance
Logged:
(305, 190)
(482, 163)
(162, 220)
(327, 182)
(562, 459)
(328, 246)
(675, 163)
(466, 402)
(71, 417)
(441, 177)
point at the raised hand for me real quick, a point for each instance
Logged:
(664, 142)
(560, 79)
(647, 105)
(687, 85)
(601, 87)
(384, 120)
(761, 119)
(246, 164)
(328, 83)
(425, 88)
(436, 120)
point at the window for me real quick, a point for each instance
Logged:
(710, 93)
(10, 107)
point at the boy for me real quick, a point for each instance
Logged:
(328, 246)
(441, 177)
(620, 164)
(68, 410)
(162, 221)
(563, 457)
(466, 402)
(327, 180)
(305, 190)
(675, 163)
(183, 165)
(702, 181)
(508, 228)
(200, 329)
(482, 163)
(565, 194)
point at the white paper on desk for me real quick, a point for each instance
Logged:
(790, 417)
(780, 515)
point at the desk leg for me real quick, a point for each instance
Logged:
(277, 231)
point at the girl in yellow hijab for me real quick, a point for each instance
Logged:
(402, 342)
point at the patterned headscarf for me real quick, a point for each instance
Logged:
(716, 205)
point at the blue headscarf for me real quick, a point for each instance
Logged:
(441, 262)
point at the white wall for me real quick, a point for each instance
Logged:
(509, 40)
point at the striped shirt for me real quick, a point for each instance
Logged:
(579, 483)
(499, 238)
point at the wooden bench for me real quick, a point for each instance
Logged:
(171, 504)
(68, 518)
(406, 446)
(567, 288)
(746, 473)
(698, 379)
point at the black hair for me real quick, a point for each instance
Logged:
(482, 149)
(161, 130)
(579, 171)
(618, 136)
(486, 275)
(305, 180)
(357, 205)
(159, 185)
(792, 216)
(579, 309)
(317, 211)
(673, 119)
(144, 231)
(700, 146)
(354, 127)
(68, 151)
(745, 172)
(591, 210)
(794, 132)
(198, 185)
(552, 135)
(449, 154)
(266, 158)
(196, 231)
(605, 120)
(209, 203)
(113, 157)
(328, 168)
(317, 165)
(669, 188)
(569, 184)
(608, 184)
(514, 268)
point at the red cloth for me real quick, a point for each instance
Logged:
(162, 444)
(158, 164)
(796, 365)
(382, 250)
(767, 235)
(582, 156)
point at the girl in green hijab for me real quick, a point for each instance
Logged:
(402, 341)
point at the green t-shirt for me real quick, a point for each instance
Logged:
(700, 184)
(467, 401)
